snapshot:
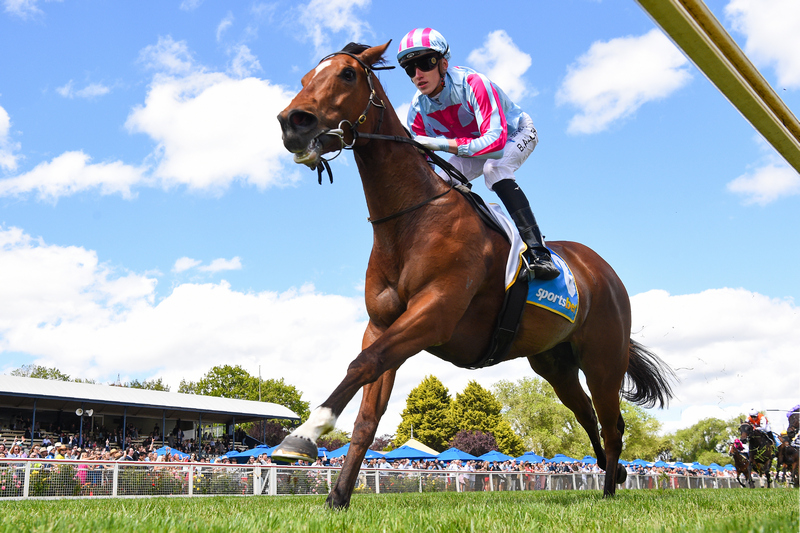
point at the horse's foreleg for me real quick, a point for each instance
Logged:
(425, 323)
(373, 406)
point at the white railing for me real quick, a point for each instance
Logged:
(39, 478)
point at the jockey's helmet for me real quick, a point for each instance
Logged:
(421, 41)
(753, 412)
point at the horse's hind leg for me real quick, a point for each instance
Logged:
(373, 405)
(559, 368)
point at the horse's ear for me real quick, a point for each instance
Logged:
(374, 55)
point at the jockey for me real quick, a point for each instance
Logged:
(759, 421)
(460, 111)
(737, 444)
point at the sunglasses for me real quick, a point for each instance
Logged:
(425, 64)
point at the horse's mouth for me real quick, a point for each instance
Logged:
(311, 155)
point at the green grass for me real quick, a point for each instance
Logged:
(674, 510)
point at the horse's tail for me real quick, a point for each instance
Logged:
(648, 379)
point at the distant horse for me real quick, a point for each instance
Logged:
(762, 449)
(435, 280)
(787, 460)
(740, 463)
(794, 424)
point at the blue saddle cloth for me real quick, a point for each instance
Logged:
(558, 295)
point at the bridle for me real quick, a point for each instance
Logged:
(339, 131)
(457, 178)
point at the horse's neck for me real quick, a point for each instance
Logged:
(394, 175)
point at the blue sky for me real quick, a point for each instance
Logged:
(153, 225)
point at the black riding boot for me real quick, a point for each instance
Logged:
(517, 205)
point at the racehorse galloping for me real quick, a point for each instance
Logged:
(740, 463)
(435, 281)
(788, 460)
(762, 449)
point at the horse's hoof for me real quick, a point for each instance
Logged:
(622, 474)
(295, 448)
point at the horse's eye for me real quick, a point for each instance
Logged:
(349, 74)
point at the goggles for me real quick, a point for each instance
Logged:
(424, 63)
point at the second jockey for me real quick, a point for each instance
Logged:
(462, 112)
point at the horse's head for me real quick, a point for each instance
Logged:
(336, 98)
(745, 431)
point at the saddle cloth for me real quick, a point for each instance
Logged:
(558, 295)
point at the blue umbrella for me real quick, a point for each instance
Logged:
(530, 457)
(729, 467)
(340, 452)
(454, 453)
(698, 466)
(660, 464)
(680, 465)
(495, 456)
(589, 460)
(641, 462)
(407, 452)
(714, 466)
(175, 453)
(561, 458)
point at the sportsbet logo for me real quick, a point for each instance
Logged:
(544, 294)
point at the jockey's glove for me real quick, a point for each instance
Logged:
(437, 144)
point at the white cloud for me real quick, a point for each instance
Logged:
(67, 309)
(168, 56)
(615, 78)
(190, 5)
(772, 32)
(90, 91)
(72, 172)
(219, 265)
(504, 63)
(766, 184)
(732, 349)
(322, 18)
(23, 9)
(210, 128)
(185, 263)
(224, 24)
(244, 63)
(8, 159)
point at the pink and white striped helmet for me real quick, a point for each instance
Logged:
(420, 41)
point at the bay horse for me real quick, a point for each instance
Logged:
(787, 459)
(740, 463)
(761, 451)
(435, 280)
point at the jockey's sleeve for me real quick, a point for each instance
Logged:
(484, 100)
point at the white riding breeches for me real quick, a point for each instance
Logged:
(516, 151)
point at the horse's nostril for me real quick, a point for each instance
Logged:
(301, 120)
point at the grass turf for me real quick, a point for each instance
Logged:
(673, 510)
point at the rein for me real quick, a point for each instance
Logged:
(454, 173)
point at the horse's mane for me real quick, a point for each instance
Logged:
(358, 49)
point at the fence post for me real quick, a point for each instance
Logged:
(377, 481)
(191, 480)
(491, 482)
(27, 483)
(115, 480)
(273, 481)
(420, 482)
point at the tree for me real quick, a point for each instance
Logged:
(474, 442)
(708, 435)
(148, 384)
(534, 411)
(477, 409)
(235, 382)
(383, 443)
(41, 372)
(333, 440)
(426, 414)
(640, 439)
